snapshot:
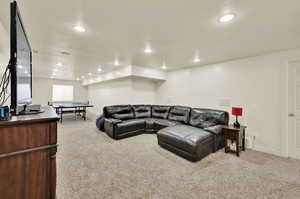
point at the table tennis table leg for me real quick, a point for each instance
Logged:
(61, 115)
(84, 113)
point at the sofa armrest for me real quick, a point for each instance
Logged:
(109, 126)
(216, 130)
(112, 120)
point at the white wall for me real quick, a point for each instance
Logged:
(121, 91)
(4, 49)
(42, 90)
(4, 44)
(142, 91)
(257, 84)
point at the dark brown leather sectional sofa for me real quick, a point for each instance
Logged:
(192, 133)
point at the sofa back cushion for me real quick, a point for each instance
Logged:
(204, 118)
(142, 111)
(180, 114)
(121, 112)
(160, 111)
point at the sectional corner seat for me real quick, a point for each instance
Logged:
(192, 133)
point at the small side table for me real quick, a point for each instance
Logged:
(234, 134)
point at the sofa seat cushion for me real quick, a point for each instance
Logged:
(130, 125)
(149, 123)
(186, 138)
(161, 123)
(157, 124)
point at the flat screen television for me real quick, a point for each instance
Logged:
(20, 63)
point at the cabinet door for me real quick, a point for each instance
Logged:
(29, 176)
(11, 177)
(37, 175)
(52, 179)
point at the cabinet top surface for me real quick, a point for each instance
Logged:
(48, 115)
(231, 127)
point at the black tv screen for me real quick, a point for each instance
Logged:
(21, 63)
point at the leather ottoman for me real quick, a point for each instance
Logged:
(189, 142)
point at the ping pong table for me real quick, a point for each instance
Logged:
(77, 108)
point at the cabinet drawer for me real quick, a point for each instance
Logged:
(24, 137)
(231, 134)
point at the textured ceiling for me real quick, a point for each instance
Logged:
(176, 31)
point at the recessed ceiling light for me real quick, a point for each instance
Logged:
(196, 60)
(59, 64)
(148, 50)
(90, 74)
(164, 66)
(117, 63)
(99, 70)
(79, 28)
(226, 18)
(77, 78)
(82, 77)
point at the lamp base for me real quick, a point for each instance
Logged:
(236, 124)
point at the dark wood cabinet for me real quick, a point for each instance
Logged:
(237, 135)
(28, 146)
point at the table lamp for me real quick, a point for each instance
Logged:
(237, 112)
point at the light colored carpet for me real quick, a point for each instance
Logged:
(93, 166)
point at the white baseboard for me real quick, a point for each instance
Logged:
(269, 150)
(296, 156)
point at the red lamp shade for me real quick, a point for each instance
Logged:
(237, 111)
